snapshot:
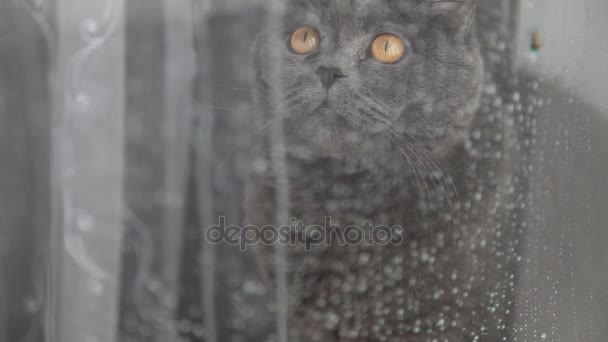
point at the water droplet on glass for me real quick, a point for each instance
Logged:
(90, 27)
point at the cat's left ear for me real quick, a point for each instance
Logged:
(458, 14)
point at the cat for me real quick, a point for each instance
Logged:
(399, 113)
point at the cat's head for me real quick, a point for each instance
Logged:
(360, 74)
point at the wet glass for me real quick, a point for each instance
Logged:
(130, 131)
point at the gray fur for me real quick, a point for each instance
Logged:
(416, 144)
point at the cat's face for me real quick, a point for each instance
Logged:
(343, 98)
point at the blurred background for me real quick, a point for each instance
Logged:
(124, 131)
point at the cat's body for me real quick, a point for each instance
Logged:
(417, 144)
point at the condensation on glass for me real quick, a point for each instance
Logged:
(124, 130)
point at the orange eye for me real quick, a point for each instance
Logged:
(388, 48)
(305, 40)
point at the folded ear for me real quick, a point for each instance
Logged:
(459, 14)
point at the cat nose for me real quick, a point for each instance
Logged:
(329, 75)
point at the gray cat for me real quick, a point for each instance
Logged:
(398, 114)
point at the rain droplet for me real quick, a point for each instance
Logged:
(90, 26)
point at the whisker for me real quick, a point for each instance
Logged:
(421, 160)
(412, 147)
(233, 148)
(244, 90)
(442, 184)
(441, 179)
(407, 158)
(451, 185)
(437, 165)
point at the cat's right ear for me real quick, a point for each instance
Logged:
(458, 14)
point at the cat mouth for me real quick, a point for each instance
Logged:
(324, 105)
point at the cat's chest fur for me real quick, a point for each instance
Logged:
(347, 193)
(447, 223)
